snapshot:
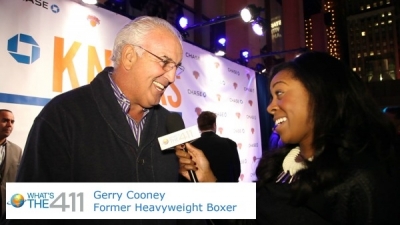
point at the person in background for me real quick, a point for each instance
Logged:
(393, 113)
(221, 152)
(10, 154)
(337, 165)
(107, 131)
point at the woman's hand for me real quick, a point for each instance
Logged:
(194, 159)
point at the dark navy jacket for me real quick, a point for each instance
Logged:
(83, 136)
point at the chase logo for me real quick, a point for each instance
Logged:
(45, 5)
(17, 200)
(15, 43)
(54, 8)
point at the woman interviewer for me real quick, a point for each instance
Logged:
(337, 164)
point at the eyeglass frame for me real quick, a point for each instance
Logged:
(166, 62)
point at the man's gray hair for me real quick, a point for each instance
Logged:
(135, 31)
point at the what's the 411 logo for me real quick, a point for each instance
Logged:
(63, 201)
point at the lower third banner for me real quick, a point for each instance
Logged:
(131, 201)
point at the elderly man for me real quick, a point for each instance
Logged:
(107, 130)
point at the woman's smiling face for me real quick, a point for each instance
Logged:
(291, 109)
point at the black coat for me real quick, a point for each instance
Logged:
(83, 136)
(222, 155)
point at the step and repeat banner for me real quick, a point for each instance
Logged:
(50, 47)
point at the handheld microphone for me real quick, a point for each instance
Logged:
(176, 128)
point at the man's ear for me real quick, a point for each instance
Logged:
(128, 56)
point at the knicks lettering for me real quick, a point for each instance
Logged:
(243, 161)
(66, 62)
(178, 97)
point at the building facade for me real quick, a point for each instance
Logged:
(373, 39)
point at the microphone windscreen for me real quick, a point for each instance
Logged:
(174, 122)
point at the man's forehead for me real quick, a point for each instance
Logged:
(6, 114)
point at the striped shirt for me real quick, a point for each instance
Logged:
(125, 106)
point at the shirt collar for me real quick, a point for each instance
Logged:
(4, 143)
(121, 98)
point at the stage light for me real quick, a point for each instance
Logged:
(219, 53)
(258, 26)
(244, 57)
(220, 47)
(91, 2)
(260, 69)
(183, 22)
(222, 41)
(250, 13)
(244, 54)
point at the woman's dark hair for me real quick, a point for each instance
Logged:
(347, 124)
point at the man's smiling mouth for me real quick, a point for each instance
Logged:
(159, 86)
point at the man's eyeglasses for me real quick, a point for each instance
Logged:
(168, 64)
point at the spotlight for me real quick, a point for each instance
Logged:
(91, 2)
(219, 53)
(222, 41)
(183, 22)
(244, 54)
(219, 47)
(260, 69)
(258, 26)
(244, 57)
(250, 13)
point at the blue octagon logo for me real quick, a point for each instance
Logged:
(12, 48)
(54, 8)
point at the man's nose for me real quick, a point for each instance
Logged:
(170, 75)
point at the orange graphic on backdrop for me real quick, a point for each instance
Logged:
(216, 64)
(235, 85)
(238, 115)
(250, 102)
(65, 61)
(239, 145)
(198, 110)
(93, 20)
(219, 97)
(220, 130)
(196, 74)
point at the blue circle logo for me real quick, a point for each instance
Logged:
(17, 200)
(15, 41)
(55, 8)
